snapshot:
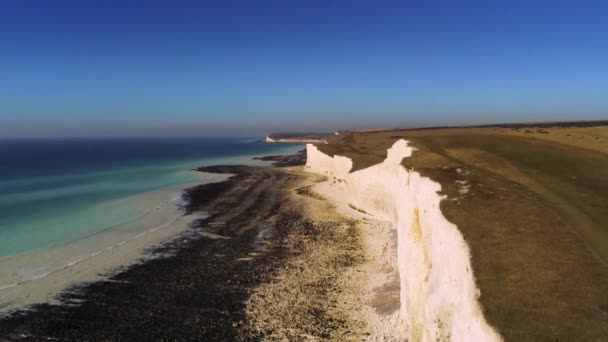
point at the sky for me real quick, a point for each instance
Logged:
(205, 68)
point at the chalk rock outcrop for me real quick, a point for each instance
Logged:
(438, 292)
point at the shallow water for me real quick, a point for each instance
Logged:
(54, 192)
(64, 222)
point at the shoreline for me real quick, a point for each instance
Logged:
(39, 276)
(205, 283)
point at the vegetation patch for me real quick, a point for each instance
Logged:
(308, 192)
(353, 207)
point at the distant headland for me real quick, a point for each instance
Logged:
(298, 137)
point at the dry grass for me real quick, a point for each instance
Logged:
(591, 138)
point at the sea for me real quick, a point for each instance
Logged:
(73, 211)
(57, 192)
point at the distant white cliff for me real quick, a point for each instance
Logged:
(438, 292)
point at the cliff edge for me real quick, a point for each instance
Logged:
(438, 295)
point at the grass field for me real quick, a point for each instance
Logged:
(532, 203)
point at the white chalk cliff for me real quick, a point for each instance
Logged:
(438, 293)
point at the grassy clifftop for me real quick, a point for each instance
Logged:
(531, 201)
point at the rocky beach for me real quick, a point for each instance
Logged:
(225, 278)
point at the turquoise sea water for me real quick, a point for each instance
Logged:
(57, 191)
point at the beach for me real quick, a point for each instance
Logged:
(229, 275)
(37, 277)
(91, 207)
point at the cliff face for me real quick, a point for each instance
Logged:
(438, 292)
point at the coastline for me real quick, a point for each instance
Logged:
(349, 248)
(433, 295)
(39, 276)
(215, 280)
(531, 261)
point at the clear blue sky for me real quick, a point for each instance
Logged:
(138, 68)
